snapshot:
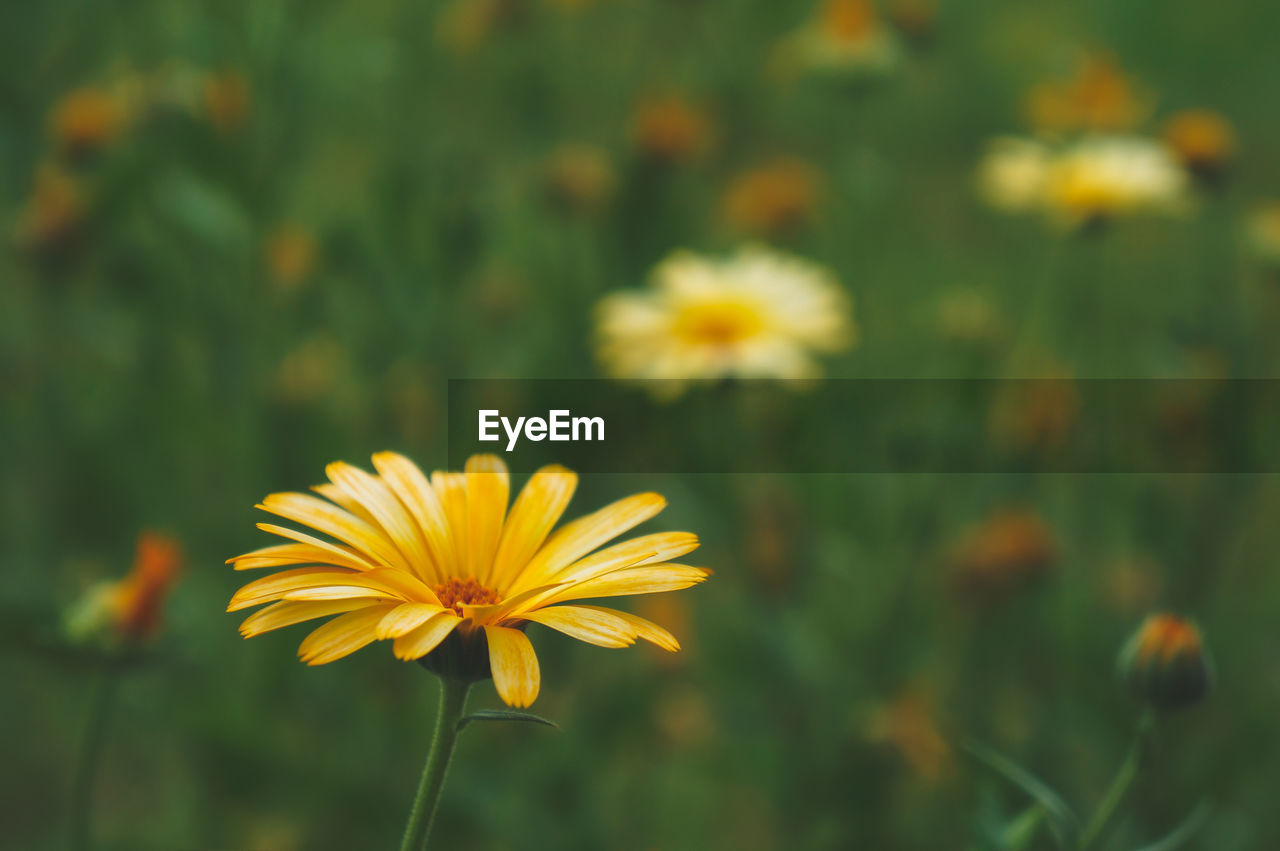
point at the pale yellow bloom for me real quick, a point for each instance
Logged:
(1263, 233)
(415, 560)
(758, 314)
(1011, 176)
(1108, 176)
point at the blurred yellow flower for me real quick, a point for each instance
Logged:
(311, 370)
(1263, 232)
(1011, 175)
(227, 99)
(580, 178)
(464, 25)
(967, 316)
(1204, 141)
(290, 255)
(757, 314)
(671, 128)
(89, 118)
(1098, 98)
(774, 198)
(53, 214)
(420, 560)
(844, 37)
(1004, 552)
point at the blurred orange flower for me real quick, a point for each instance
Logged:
(1203, 140)
(1009, 549)
(671, 128)
(138, 599)
(579, 178)
(1099, 97)
(774, 198)
(1036, 415)
(54, 212)
(227, 99)
(906, 723)
(1165, 663)
(88, 119)
(290, 255)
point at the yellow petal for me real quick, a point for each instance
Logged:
(384, 582)
(279, 615)
(332, 520)
(488, 489)
(335, 554)
(514, 665)
(271, 587)
(426, 637)
(646, 549)
(408, 483)
(386, 508)
(541, 502)
(279, 554)
(652, 579)
(405, 618)
(342, 636)
(586, 533)
(642, 628)
(585, 625)
(333, 493)
(451, 491)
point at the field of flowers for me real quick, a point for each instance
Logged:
(245, 247)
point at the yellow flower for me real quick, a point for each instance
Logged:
(417, 560)
(671, 128)
(1203, 140)
(1011, 176)
(845, 37)
(53, 215)
(1263, 233)
(774, 198)
(290, 255)
(579, 178)
(1098, 98)
(1104, 177)
(758, 314)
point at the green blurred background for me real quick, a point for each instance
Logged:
(244, 239)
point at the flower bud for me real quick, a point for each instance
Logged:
(1165, 663)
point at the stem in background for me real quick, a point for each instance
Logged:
(453, 698)
(1119, 785)
(90, 755)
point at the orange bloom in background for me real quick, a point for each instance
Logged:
(671, 128)
(915, 19)
(580, 178)
(55, 211)
(1202, 139)
(88, 118)
(1099, 97)
(1036, 415)
(1165, 663)
(844, 37)
(907, 724)
(777, 197)
(290, 255)
(1008, 550)
(140, 597)
(311, 370)
(227, 99)
(444, 563)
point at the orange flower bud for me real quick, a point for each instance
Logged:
(1165, 663)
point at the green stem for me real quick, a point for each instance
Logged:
(90, 755)
(1119, 786)
(453, 698)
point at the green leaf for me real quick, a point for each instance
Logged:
(1063, 823)
(1183, 832)
(1021, 831)
(505, 715)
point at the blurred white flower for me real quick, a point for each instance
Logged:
(757, 314)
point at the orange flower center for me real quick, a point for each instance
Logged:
(1167, 637)
(457, 593)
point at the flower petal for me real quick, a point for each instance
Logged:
(586, 625)
(641, 628)
(271, 587)
(283, 614)
(427, 637)
(332, 520)
(488, 489)
(651, 579)
(514, 664)
(335, 554)
(451, 490)
(588, 532)
(405, 618)
(386, 508)
(342, 636)
(541, 502)
(408, 483)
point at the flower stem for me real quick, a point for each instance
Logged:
(90, 755)
(1119, 786)
(453, 698)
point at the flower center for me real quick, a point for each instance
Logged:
(456, 593)
(718, 323)
(849, 20)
